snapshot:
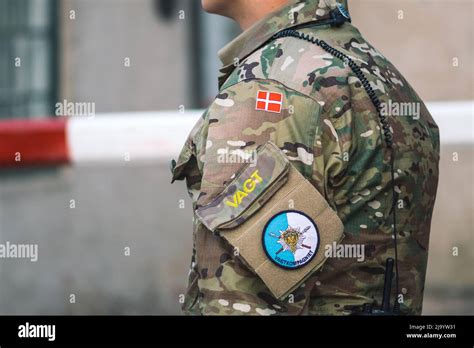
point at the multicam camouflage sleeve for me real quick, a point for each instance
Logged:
(235, 128)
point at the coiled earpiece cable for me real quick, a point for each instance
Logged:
(387, 134)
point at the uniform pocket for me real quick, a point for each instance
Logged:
(179, 168)
(191, 297)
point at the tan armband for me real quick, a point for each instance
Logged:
(282, 246)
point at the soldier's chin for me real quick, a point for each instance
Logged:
(215, 6)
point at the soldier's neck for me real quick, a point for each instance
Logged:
(247, 14)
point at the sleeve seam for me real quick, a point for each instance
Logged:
(269, 80)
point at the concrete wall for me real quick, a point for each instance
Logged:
(104, 33)
(423, 38)
(429, 41)
(82, 250)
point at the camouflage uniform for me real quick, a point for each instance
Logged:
(330, 131)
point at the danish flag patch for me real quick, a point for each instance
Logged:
(269, 101)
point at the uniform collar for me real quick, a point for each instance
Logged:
(297, 12)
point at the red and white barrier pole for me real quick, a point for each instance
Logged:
(33, 142)
(103, 138)
(139, 136)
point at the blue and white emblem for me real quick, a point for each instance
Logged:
(290, 239)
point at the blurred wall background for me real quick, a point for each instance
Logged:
(78, 49)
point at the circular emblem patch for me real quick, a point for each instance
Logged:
(290, 239)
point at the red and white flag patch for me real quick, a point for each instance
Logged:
(269, 101)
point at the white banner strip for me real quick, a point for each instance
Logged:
(153, 135)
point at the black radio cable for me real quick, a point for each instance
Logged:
(387, 134)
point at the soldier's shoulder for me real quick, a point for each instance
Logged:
(296, 64)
